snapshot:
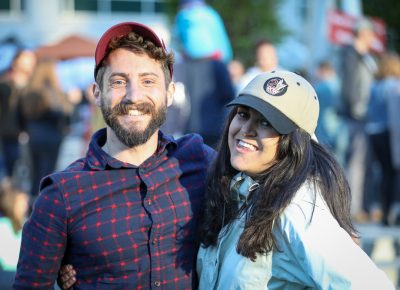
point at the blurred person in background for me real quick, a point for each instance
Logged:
(357, 73)
(236, 71)
(207, 87)
(394, 130)
(202, 70)
(194, 23)
(385, 89)
(12, 82)
(266, 59)
(13, 213)
(44, 111)
(331, 130)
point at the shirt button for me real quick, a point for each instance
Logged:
(149, 202)
(157, 283)
(154, 241)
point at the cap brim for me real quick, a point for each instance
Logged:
(276, 118)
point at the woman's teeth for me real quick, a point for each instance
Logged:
(246, 145)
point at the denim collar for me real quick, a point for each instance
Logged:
(241, 185)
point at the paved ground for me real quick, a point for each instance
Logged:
(383, 245)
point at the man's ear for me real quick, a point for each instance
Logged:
(170, 93)
(96, 94)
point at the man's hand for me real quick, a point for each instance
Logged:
(66, 277)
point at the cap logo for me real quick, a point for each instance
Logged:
(275, 86)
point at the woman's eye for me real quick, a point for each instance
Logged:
(242, 114)
(118, 84)
(265, 123)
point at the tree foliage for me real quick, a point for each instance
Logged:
(245, 21)
(389, 11)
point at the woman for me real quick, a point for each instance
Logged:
(381, 125)
(277, 206)
(285, 202)
(12, 82)
(45, 112)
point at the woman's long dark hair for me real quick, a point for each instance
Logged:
(299, 158)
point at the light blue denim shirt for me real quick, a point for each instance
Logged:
(314, 254)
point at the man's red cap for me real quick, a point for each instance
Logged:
(122, 29)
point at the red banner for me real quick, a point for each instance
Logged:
(341, 26)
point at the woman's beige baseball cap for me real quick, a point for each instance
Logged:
(284, 98)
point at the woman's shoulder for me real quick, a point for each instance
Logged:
(306, 203)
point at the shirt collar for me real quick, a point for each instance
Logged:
(241, 185)
(98, 159)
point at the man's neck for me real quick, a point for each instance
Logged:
(132, 155)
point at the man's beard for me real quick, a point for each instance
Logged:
(132, 137)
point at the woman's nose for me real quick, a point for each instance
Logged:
(248, 129)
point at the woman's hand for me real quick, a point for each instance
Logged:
(66, 277)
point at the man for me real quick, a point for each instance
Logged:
(201, 71)
(124, 215)
(358, 69)
(194, 21)
(266, 59)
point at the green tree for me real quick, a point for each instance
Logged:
(245, 21)
(389, 11)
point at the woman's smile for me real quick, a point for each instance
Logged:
(252, 141)
(243, 146)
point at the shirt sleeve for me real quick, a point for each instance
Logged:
(43, 244)
(327, 253)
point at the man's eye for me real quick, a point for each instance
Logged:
(148, 82)
(118, 84)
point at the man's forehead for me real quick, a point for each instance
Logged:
(126, 55)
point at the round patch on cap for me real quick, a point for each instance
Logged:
(275, 86)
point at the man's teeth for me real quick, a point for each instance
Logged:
(247, 145)
(135, 113)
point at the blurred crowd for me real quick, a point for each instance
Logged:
(359, 121)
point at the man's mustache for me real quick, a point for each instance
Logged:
(124, 108)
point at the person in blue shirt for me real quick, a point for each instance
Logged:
(277, 206)
(193, 23)
(331, 129)
(202, 72)
(381, 122)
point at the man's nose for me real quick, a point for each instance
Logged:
(133, 92)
